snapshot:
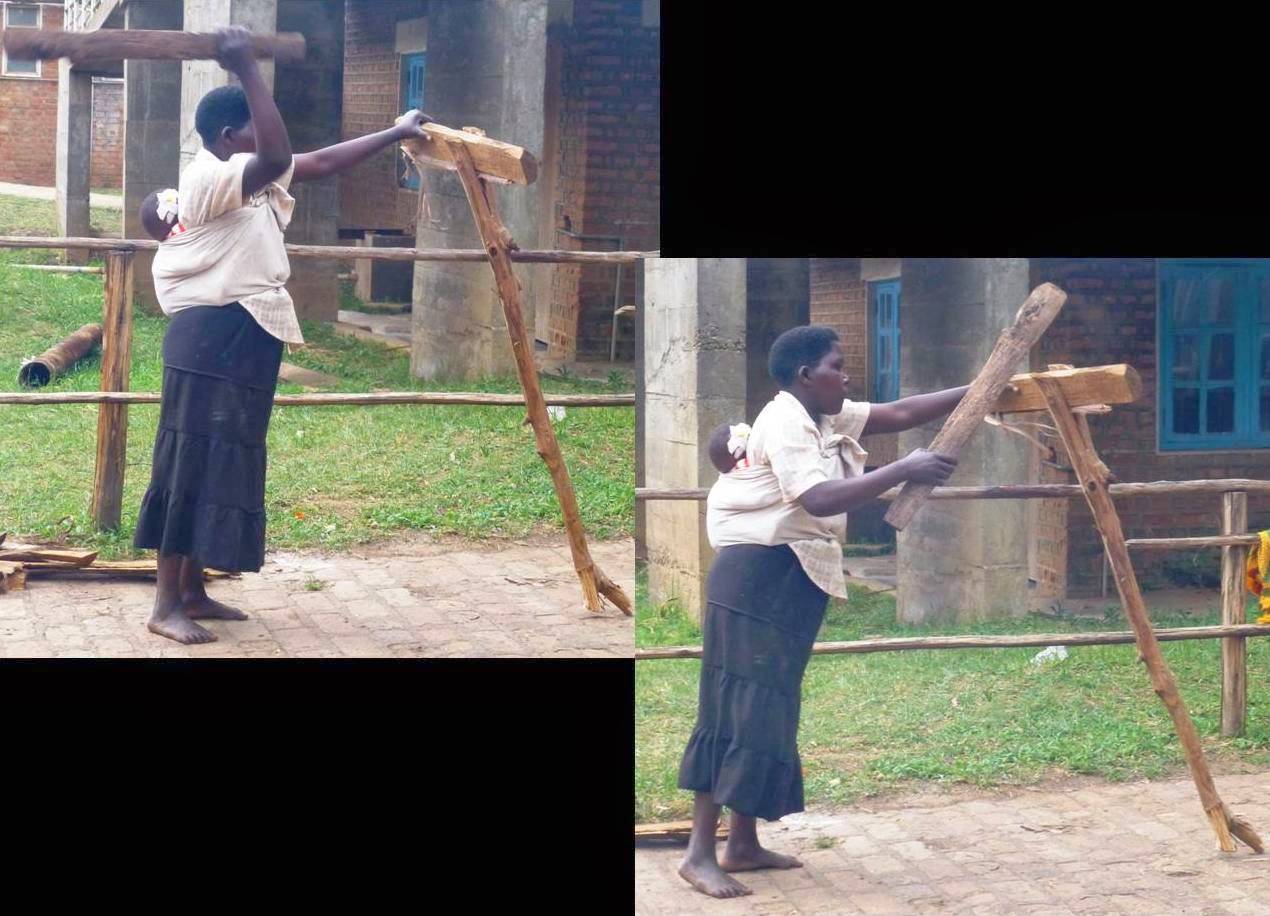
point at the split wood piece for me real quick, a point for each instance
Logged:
(349, 252)
(340, 399)
(12, 576)
(490, 158)
(674, 830)
(116, 364)
(114, 568)
(1096, 385)
(107, 45)
(1234, 651)
(60, 357)
(1031, 321)
(493, 234)
(41, 552)
(1086, 464)
(926, 643)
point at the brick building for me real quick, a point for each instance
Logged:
(912, 325)
(28, 98)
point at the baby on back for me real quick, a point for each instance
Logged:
(159, 214)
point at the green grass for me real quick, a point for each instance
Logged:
(337, 475)
(882, 722)
(26, 216)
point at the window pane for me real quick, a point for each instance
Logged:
(1265, 410)
(21, 66)
(1185, 410)
(1221, 356)
(1265, 356)
(28, 16)
(1185, 357)
(1221, 410)
(1221, 301)
(884, 354)
(1186, 301)
(1264, 288)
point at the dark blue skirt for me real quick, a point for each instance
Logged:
(762, 617)
(206, 498)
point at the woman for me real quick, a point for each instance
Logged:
(222, 280)
(778, 525)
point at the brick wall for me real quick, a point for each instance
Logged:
(107, 162)
(610, 158)
(1110, 317)
(369, 195)
(28, 118)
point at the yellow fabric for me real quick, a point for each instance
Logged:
(1258, 573)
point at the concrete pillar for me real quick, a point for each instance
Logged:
(962, 560)
(778, 297)
(74, 153)
(694, 379)
(486, 68)
(152, 130)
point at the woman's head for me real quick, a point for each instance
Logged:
(808, 362)
(223, 120)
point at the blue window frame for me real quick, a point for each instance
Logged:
(412, 68)
(1214, 354)
(884, 296)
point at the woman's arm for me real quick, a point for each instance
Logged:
(273, 146)
(897, 416)
(833, 497)
(341, 157)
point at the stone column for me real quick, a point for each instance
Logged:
(962, 560)
(74, 153)
(694, 379)
(486, 68)
(152, 130)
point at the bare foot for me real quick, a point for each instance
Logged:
(753, 857)
(179, 627)
(202, 607)
(708, 878)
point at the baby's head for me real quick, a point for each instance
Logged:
(158, 214)
(726, 446)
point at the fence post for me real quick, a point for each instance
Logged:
(1234, 649)
(116, 364)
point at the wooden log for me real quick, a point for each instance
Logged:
(60, 357)
(1234, 650)
(1035, 315)
(1087, 465)
(1026, 491)
(106, 45)
(1029, 640)
(674, 830)
(494, 235)
(1115, 384)
(14, 551)
(1225, 540)
(113, 569)
(335, 399)
(116, 365)
(489, 157)
(350, 252)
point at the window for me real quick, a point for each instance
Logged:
(884, 298)
(20, 17)
(1214, 360)
(411, 97)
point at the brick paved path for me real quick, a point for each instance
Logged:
(1087, 847)
(407, 598)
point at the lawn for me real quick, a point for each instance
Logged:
(881, 722)
(337, 475)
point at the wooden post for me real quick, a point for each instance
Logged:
(1092, 474)
(1234, 651)
(116, 364)
(1035, 315)
(498, 244)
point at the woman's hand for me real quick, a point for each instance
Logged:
(411, 124)
(233, 49)
(927, 467)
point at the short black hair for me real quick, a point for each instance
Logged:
(225, 106)
(802, 346)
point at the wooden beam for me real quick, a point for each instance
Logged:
(1225, 540)
(489, 157)
(1030, 640)
(335, 399)
(1116, 384)
(23, 553)
(116, 365)
(1031, 321)
(1091, 473)
(1234, 650)
(103, 45)
(675, 830)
